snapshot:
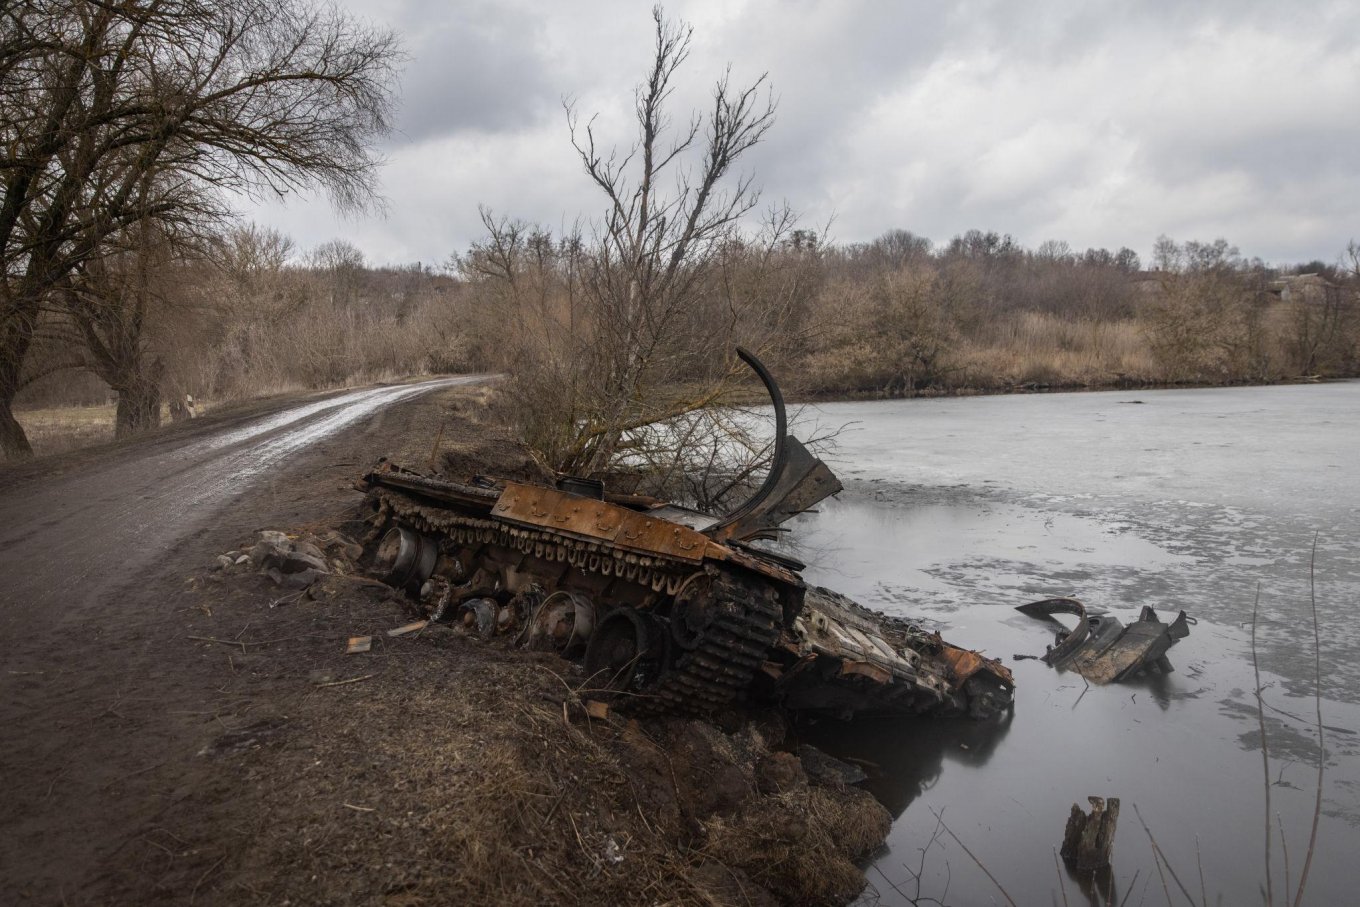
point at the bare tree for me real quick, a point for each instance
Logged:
(1206, 325)
(211, 97)
(636, 326)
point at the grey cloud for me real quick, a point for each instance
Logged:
(474, 67)
(1096, 123)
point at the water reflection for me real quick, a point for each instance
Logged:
(905, 757)
(1099, 887)
(1159, 686)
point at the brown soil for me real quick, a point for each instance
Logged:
(206, 739)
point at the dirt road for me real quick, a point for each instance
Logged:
(103, 704)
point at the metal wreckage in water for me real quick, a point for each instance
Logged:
(668, 609)
(1101, 648)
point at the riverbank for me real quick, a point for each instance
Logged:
(63, 429)
(437, 768)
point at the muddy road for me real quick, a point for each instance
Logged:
(102, 703)
(68, 540)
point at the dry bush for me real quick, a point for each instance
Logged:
(269, 324)
(1320, 333)
(1207, 326)
(896, 333)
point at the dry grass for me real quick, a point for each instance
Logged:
(1040, 348)
(59, 429)
(802, 842)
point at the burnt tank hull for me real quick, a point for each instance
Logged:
(663, 617)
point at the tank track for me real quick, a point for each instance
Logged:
(715, 673)
(719, 669)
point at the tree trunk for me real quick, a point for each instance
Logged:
(13, 442)
(13, 345)
(1089, 839)
(139, 403)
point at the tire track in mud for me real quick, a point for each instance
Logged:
(68, 540)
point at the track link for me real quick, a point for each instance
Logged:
(718, 671)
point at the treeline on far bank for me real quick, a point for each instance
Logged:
(897, 316)
(901, 316)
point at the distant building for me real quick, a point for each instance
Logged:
(1304, 288)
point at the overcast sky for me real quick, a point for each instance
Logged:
(1101, 124)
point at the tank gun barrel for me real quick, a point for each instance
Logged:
(797, 480)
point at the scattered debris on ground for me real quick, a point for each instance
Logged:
(1100, 648)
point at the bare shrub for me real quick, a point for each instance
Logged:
(629, 323)
(1207, 326)
(895, 332)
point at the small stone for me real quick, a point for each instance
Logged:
(243, 559)
(223, 562)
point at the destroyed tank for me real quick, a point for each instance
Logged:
(668, 609)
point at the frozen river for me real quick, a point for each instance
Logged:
(956, 510)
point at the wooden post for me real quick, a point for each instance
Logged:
(1089, 840)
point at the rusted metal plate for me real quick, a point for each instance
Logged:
(757, 565)
(964, 663)
(548, 508)
(866, 669)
